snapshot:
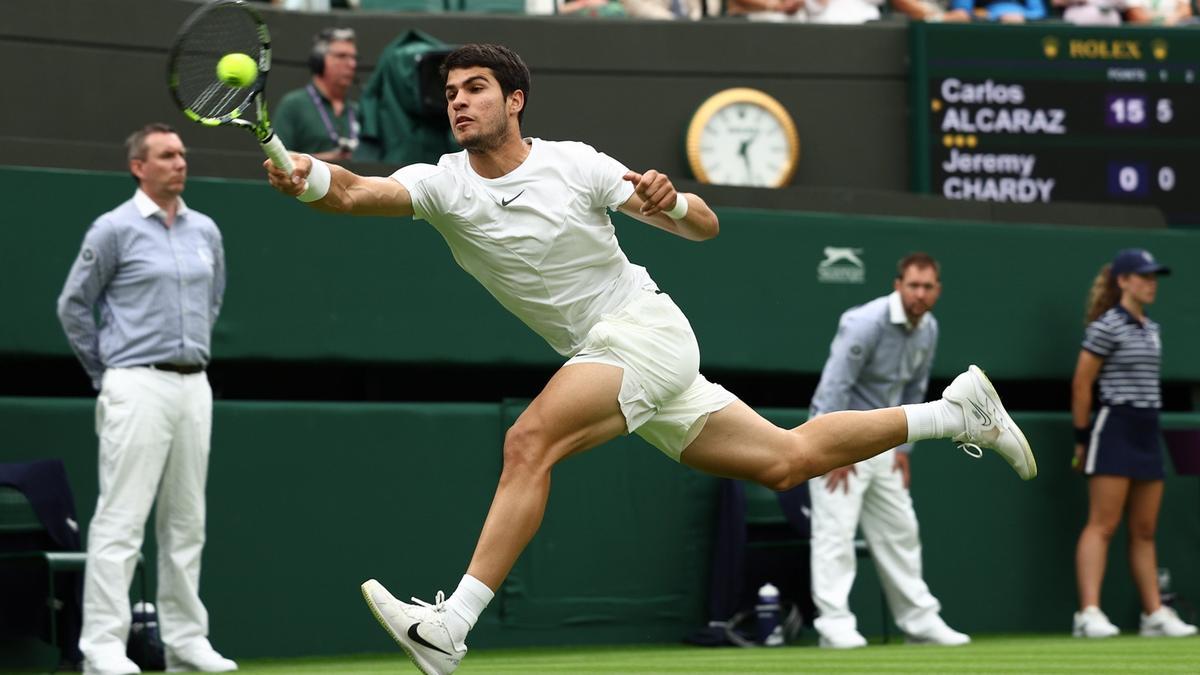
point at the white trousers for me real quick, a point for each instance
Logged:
(155, 428)
(878, 501)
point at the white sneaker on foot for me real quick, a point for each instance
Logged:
(940, 635)
(1092, 623)
(197, 657)
(987, 422)
(850, 639)
(109, 664)
(1164, 622)
(419, 629)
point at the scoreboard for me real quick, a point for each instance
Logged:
(1026, 114)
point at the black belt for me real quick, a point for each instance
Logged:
(176, 368)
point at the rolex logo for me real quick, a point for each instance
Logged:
(1050, 47)
(1159, 49)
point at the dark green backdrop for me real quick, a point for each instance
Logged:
(308, 500)
(305, 285)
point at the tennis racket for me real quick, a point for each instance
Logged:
(211, 32)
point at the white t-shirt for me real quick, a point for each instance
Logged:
(539, 239)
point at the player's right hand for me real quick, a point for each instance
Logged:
(293, 184)
(1077, 460)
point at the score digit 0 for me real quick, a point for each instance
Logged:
(1166, 176)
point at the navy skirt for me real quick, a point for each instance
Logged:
(1126, 441)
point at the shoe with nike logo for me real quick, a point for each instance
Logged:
(987, 422)
(419, 629)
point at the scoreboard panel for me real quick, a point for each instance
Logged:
(1055, 113)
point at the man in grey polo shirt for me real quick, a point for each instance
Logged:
(138, 308)
(881, 356)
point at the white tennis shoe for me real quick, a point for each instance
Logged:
(847, 639)
(419, 629)
(1092, 623)
(939, 634)
(1164, 622)
(197, 656)
(987, 422)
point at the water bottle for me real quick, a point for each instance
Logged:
(145, 617)
(770, 624)
(144, 645)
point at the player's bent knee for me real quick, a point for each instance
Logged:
(525, 448)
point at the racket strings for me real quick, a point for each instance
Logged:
(220, 31)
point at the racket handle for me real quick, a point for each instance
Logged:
(278, 154)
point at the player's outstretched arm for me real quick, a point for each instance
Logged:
(348, 192)
(655, 202)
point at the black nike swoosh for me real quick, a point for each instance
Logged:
(506, 202)
(987, 419)
(412, 632)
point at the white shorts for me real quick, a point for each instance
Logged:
(663, 397)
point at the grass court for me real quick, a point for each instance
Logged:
(988, 654)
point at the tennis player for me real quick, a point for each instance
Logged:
(529, 220)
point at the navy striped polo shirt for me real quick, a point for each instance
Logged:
(1132, 354)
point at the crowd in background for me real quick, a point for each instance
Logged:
(1079, 12)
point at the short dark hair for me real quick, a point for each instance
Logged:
(135, 145)
(510, 71)
(921, 260)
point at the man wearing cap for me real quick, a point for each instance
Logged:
(138, 308)
(1120, 451)
(881, 356)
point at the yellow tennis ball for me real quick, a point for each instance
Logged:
(237, 70)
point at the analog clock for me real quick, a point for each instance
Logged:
(743, 137)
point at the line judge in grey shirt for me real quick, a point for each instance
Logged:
(880, 357)
(138, 308)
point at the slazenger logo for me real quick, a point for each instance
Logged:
(842, 265)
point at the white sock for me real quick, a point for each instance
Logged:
(936, 419)
(465, 605)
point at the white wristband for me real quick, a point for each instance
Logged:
(681, 207)
(318, 181)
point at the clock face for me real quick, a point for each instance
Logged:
(745, 139)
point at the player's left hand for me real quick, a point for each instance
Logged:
(655, 189)
(901, 465)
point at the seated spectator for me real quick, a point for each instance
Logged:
(1160, 13)
(594, 8)
(862, 11)
(1004, 11)
(929, 10)
(767, 10)
(319, 118)
(842, 11)
(687, 10)
(1093, 12)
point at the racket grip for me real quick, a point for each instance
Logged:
(278, 154)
